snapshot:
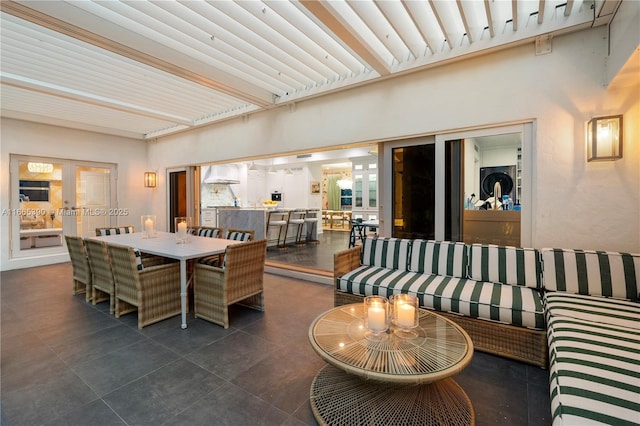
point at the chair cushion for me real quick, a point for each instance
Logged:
(443, 258)
(515, 305)
(138, 259)
(204, 232)
(594, 360)
(506, 265)
(594, 273)
(390, 253)
(114, 230)
(239, 236)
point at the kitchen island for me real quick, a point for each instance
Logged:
(256, 220)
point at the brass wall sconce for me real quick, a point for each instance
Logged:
(150, 179)
(604, 138)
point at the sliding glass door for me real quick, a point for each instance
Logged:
(53, 197)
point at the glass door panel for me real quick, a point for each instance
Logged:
(37, 228)
(413, 184)
(92, 200)
(357, 185)
(373, 190)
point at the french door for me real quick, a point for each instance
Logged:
(53, 197)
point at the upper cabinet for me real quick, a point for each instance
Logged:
(365, 189)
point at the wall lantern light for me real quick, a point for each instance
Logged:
(604, 138)
(150, 179)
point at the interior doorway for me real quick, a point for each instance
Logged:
(177, 196)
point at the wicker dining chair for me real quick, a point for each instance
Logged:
(154, 291)
(239, 280)
(103, 285)
(82, 281)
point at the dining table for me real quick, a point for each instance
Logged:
(166, 244)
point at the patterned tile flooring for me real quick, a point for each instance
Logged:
(67, 362)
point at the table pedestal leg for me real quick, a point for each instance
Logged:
(339, 398)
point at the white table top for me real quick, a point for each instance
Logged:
(165, 244)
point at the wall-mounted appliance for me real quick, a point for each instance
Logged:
(506, 175)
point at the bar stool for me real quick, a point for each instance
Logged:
(278, 219)
(311, 221)
(296, 218)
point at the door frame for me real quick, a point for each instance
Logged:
(55, 254)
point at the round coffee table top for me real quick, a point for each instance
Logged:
(441, 348)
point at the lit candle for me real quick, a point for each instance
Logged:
(148, 226)
(405, 314)
(182, 230)
(376, 318)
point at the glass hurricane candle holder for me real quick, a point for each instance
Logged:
(376, 317)
(182, 229)
(148, 225)
(405, 315)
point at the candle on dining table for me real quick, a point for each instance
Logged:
(182, 230)
(148, 226)
(406, 314)
(376, 317)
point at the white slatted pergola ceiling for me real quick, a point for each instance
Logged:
(144, 69)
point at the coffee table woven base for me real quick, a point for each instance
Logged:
(338, 398)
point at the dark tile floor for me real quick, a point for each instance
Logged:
(318, 255)
(66, 362)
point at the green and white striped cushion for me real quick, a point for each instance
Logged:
(138, 255)
(239, 236)
(506, 265)
(521, 306)
(392, 253)
(115, 230)
(439, 257)
(622, 313)
(204, 232)
(594, 363)
(594, 273)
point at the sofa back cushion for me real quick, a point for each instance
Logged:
(505, 265)
(439, 257)
(592, 273)
(391, 253)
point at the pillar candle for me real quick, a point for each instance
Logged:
(376, 318)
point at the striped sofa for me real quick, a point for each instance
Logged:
(493, 292)
(577, 310)
(593, 326)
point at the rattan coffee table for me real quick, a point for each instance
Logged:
(393, 381)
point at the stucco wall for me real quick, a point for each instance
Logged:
(576, 204)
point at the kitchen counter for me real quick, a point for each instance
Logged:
(255, 219)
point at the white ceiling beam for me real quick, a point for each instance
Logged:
(567, 8)
(487, 9)
(541, 12)
(225, 83)
(323, 12)
(79, 96)
(514, 14)
(409, 7)
(465, 23)
(441, 24)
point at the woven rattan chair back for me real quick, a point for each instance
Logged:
(239, 281)
(82, 281)
(103, 285)
(154, 291)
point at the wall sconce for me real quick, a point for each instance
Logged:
(150, 179)
(604, 138)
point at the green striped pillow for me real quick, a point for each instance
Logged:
(506, 265)
(594, 273)
(439, 257)
(392, 253)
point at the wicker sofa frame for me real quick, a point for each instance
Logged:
(518, 343)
